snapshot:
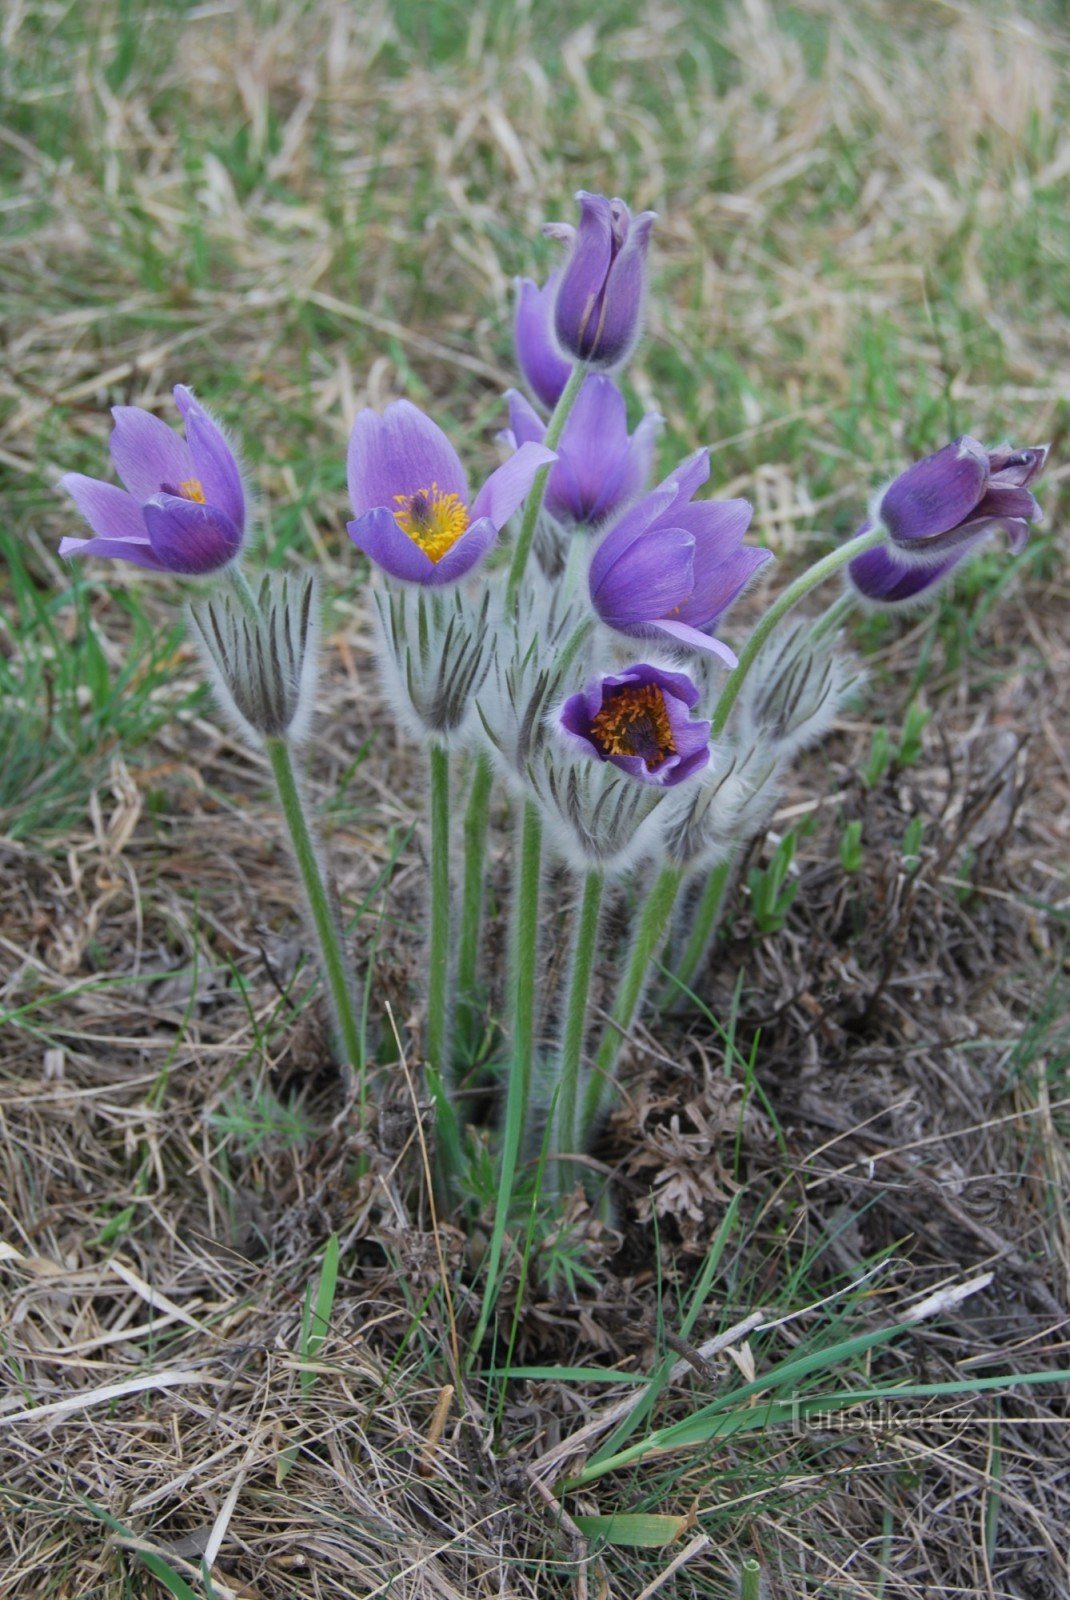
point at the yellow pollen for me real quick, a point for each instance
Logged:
(433, 520)
(634, 721)
(192, 489)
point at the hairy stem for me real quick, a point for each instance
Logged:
(584, 941)
(476, 821)
(439, 957)
(707, 915)
(554, 429)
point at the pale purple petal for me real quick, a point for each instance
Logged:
(583, 277)
(653, 576)
(509, 484)
(690, 475)
(596, 446)
(1016, 469)
(542, 363)
(689, 638)
(622, 301)
(632, 525)
(214, 465)
(109, 511)
(936, 494)
(400, 453)
(147, 453)
(188, 537)
(141, 555)
(384, 542)
(527, 426)
(468, 552)
(719, 584)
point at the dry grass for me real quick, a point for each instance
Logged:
(304, 208)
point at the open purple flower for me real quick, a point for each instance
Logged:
(600, 467)
(640, 720)
(939, 510)
(545, 369)
(671, 569)
(410, 494)
(183, 509)
(598, 309)
(957, 495)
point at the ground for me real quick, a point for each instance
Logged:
(302, 208)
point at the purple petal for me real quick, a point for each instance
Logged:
(689, 638)
(526, 425)
(936, 494)
(508, 485)
(214, 465)
(596, 446)
(544, 367)
(400, 453)
(877, 575)
(141, 555)
(1016, 469)
(109, 511)
(652, 577)
(469, 550)
(622, 302)
(188, 537)
(999, 502)
(583, 277)
(688, 476)
(378, 535)
(719, 584)
(632, 525)
(147, 453)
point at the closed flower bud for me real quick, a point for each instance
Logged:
(598, 310)
(263, 667)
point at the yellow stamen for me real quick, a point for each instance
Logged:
(433, 520)
(192, 489)
(634, 721)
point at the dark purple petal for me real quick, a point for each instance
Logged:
(678, 684)
(544, 367)
(998, 503)
(214, 465)
(653, 576)
(400, 453)
(109, 511)
(622, 301)
(467, 553)
(719, 584)
(879, 576)
(583, 277)
(936, 494)
(147, 453)
(141, 555)
(378, 535)
(689, 638)
(628, 528)
(690, 739)
(1016, 469)
(188, 537)
(509, 484)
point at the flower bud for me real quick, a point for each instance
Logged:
(263, 667)
(598, 310)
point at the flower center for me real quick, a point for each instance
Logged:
(433, 520)
(634, 721)
(192, 489)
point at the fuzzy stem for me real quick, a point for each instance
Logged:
(646, 941)
(707, 915)
(328, 931)
(243, 591)
(554, 429)
(584, 940)
(522, 977)
(792, 595)
(439, 958)
(476, 822)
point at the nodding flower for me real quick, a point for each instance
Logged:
(598, 307)
(640, 721)
(414, 517)
(183, 508)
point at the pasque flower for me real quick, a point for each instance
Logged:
(545, 369)
(671, 567)
(409, 491)
(598, 307)
(939, 510)
(640, 721)
(183, 509)
(600, 467)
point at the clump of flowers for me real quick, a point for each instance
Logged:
(647, 765)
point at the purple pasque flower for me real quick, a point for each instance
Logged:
(939, 510)
(600, 467)
(183, 509)
(598, 308)
(670, 567)
(957, 495)
(409, 491)
(545, 369)
(640, 720)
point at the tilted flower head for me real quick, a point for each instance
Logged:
(600, 467)
(409, 491)
(939, 510)
(545, 369)
(598, 309)
(183, 509)
(640, 721)
(671, 568)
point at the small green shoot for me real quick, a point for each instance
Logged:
(880, 758)
(915, 722)
(771, 890)
(912, 838)
(315, 1322)
(851, 847)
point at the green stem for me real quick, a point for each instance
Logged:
(328, 931)
(439, 959)
(792, 595)
(750, 1580)
(707, 916)
(522, 977)
(476, 823)
(584, 940)
(649, 932)
(554, 429)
